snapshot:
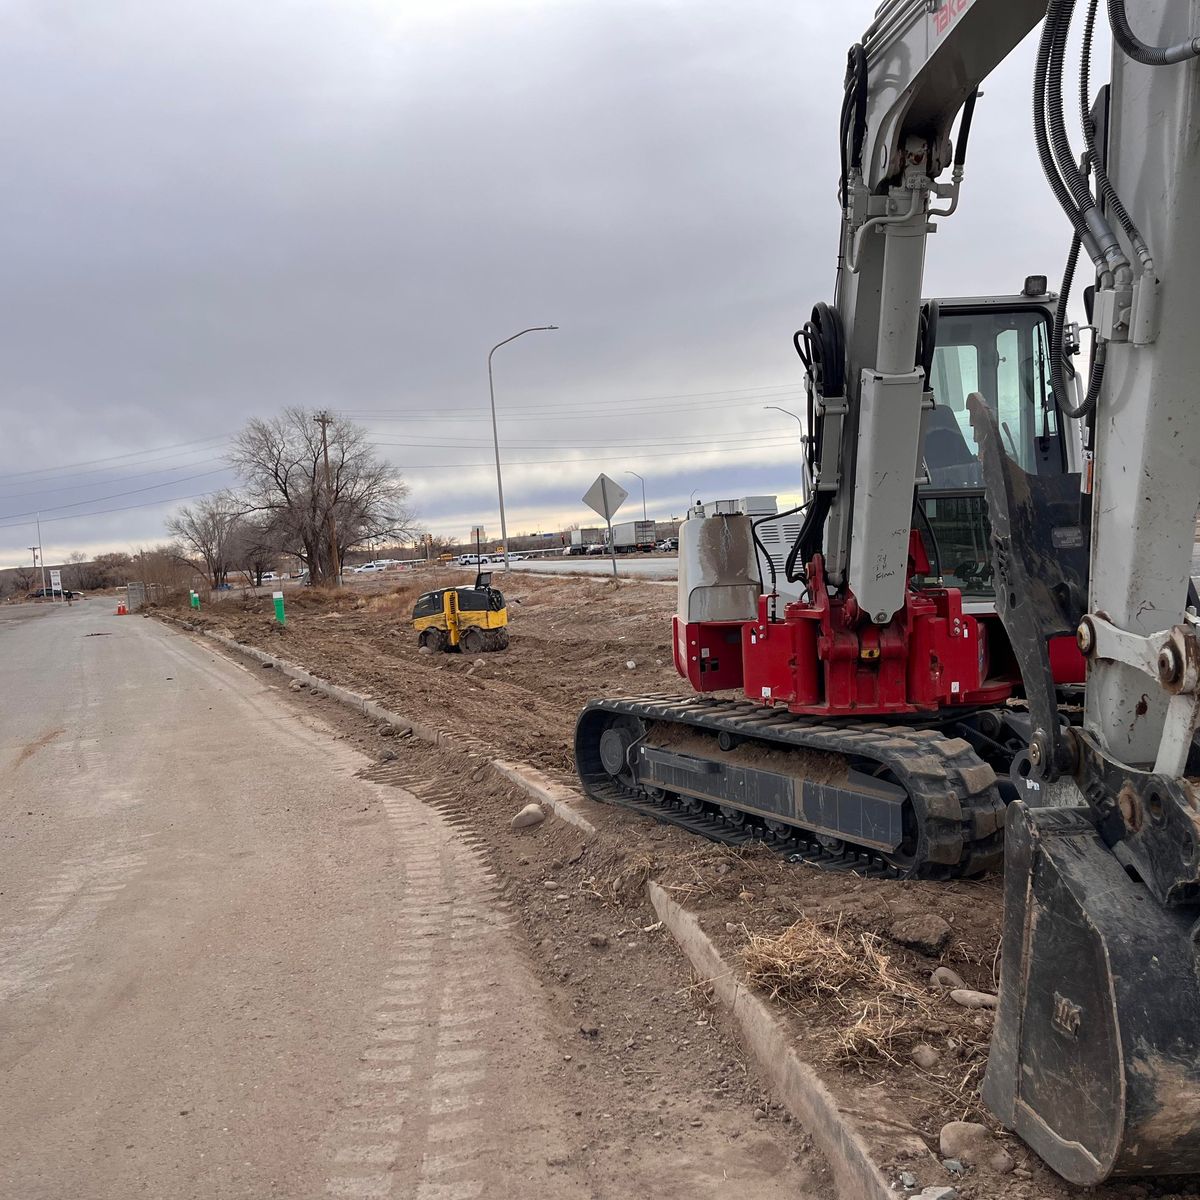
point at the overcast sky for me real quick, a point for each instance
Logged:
(214, 209)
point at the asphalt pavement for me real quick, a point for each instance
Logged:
(230, 967)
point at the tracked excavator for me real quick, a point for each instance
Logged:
(983, 645)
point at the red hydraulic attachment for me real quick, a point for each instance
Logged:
(827, 658)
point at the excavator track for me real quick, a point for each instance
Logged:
(954, 814)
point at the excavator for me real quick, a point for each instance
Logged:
(982, 646)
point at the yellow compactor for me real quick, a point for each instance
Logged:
(467, 619)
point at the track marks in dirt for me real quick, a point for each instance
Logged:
(442, 1087)
(45, 942)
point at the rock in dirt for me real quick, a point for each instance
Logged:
(480, 662)
(267, 666)
(945, 979)
(424, 650)
(969, 999)
(386, 730)
(529, 816)
(631, 665)
(296, 685)
(926, 932)
(972, 1145)
(388, 756)
(925, 1056)
(937, 1193)
(598, 940)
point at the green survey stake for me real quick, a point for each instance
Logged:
(279, 614)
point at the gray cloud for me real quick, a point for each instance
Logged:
(214, 209)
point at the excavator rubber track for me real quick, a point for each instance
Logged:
(952, 797)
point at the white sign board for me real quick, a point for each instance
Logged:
(605, 496)
(55, 581)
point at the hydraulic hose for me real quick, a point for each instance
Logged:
(964, 129)
(1042, 136)
(1139, 51)
(1103, 183)
(1064, 156)
(1063, 371)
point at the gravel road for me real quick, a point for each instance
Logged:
(232, 967)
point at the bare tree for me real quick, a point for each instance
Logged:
(256, 547)
(208, 530)
(282, 466)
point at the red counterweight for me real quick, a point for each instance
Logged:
(824, 658)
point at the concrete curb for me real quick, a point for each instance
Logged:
(562, 800)
(835, 1131)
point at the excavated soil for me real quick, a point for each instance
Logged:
(572, 640)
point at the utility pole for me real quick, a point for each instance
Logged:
(40, 554)
(323, 419)
(34, 551)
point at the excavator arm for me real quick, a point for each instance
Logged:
(915, 69)
(1096, 1054)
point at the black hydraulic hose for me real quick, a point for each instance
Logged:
(853, 125)
(1061, 13)
(936, 550)
(1139, 51)
(964, 129)
(1042, 135)
(1064, 372)
(809, 540)
(765, 554)
(1103, 183)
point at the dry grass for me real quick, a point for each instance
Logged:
(808, 961)
(809, 965)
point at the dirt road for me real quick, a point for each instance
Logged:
(231, 966)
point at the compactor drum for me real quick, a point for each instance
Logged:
(463, 619)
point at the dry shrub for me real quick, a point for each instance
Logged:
(879, 1032)
(808, 961)
(809, 964)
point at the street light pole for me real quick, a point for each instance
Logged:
(495, 430)
(637, 476)
(40, 554)
(805, 479)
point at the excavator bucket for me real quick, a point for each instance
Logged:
(1095, 1058)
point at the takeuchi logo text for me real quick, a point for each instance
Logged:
(948, 12)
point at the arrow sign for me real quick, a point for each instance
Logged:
(605, 496)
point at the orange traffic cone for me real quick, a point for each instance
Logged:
(122, 611)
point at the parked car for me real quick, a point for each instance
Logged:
(598, 548)
(668, 545)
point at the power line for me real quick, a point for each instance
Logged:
(61, 467)
(591, 447)
(114, 495)
(764, 387)
(588, 456)
(105, 511)
(40, 491)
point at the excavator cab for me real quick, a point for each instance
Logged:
(998, 347)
